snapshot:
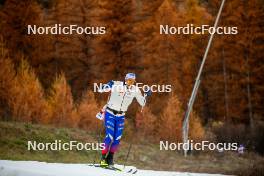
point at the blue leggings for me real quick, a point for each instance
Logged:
(114, 126)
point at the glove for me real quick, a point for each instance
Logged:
(100, 116)
(110, 83)
(148, 93)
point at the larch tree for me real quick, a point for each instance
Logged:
(26, 96)
(87, 110)
(114, 50)
(159, 53)
(69, 53)
(14, 28)
(233, 72)
(61, 104)
(7, 77)
(145, 123)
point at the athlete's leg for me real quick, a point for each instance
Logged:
(110, 132)
(119, 127)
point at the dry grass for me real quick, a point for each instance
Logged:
(144, 155)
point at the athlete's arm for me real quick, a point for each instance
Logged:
(106, 87)
(140, 99)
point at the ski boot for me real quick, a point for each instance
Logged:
(110, 158)
(103, 162)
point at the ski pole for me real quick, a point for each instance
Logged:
(97, 129)
(130, 146)
(145, 95)
(98, 139)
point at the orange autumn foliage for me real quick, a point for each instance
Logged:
(87, 110)
(145, 122)
(26, 96)
(61, 104)
(171, 122)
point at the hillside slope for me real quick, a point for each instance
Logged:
(143, 155)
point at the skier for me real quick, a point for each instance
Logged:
(113, 113)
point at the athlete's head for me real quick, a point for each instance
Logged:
(130, 79)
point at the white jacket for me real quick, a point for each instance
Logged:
(122, 96)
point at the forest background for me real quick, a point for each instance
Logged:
(48, 79)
